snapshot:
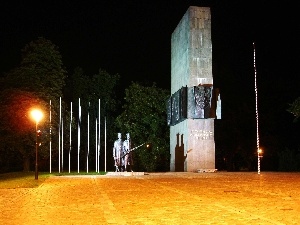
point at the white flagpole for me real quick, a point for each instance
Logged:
(99, 140)
(62, 144)
(59, 134)
(50, 138)
(70, 139)
(256, 110)
(105, 146)
(96, 146)
(88, 150)
(79, 118)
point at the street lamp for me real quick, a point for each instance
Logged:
(37, 116)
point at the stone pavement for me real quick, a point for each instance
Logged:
(157, 198)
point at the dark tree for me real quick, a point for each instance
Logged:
(39, 78)
(144, 117)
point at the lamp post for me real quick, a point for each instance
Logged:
(37, 116)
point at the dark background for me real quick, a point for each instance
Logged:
(133, 39)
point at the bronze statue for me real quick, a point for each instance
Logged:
(127, 153)
(117, 153)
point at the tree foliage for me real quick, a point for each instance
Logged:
(41, 70)
(18, 127)
(144, 117)
(294, 108)
(39, 78)
(101, 86)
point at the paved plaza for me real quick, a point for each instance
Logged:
(157, 198)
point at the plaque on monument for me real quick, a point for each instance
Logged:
(202, 98)
(176, 108)
(199, 102)
(183, 103)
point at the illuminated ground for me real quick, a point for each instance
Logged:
(157, 198)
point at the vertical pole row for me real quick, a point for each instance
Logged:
(60, 139)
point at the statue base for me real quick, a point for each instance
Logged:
(125, 173)
(207, 170)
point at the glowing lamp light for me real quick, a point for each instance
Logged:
(37, 115)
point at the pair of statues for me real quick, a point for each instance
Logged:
(122, 154)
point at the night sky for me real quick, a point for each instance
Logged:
(133, 39)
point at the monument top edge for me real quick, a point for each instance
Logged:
(199, 7)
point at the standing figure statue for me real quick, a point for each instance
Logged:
(127, 153)
(117, 153)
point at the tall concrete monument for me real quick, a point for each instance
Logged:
(194, 103)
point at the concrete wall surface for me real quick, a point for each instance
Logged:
(192, 145)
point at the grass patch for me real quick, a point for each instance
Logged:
(80, 173)
(27, 179)
(22, 180)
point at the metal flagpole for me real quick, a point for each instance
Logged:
(62, 144)
(70, 139)
(79, 118)
(99, 139)
(96, 146)
(105, 145)
(50, 137)
(256, 110)
(59, 134)
(88, 147)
